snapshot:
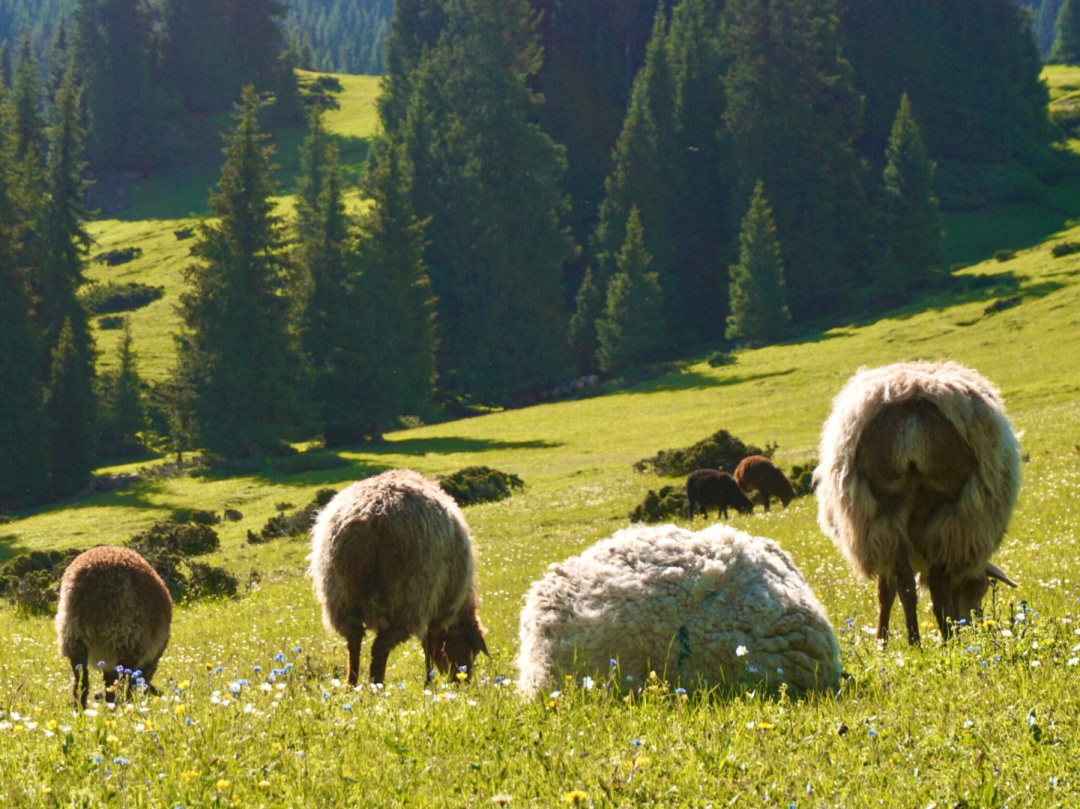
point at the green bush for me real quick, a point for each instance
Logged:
(719, 359)
(294, 524)
(184, 539)
(669, 502)
(207, 581)
(116, 257)
(479, 484)
(1064, 249)
(802, 477)
(107, 299)
(721, 450)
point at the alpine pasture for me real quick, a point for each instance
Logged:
(255, 711)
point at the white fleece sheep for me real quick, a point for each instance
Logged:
(392, 554)
(918, 472)
(716, 606)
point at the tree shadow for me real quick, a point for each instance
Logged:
(449, 445)
(693, 380)
(11, 547)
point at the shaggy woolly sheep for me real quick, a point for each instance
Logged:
(758, 473)
(114, 609)
(715, 606)
(919, 473)
(392, 554)
(712, 487)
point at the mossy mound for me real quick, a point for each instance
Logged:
(669, 502)
(721, 450)
(480, 484)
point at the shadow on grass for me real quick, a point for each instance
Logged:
(10, 547)
(448, 445)
(692, 380)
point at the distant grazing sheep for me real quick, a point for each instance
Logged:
(114, 610)
(716, 607)
(758, 473)
(919, 473)
(392, 554)
(711, 487)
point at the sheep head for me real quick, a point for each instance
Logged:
(454, 648)
(957, 597)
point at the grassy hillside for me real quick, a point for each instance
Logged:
(990, 720)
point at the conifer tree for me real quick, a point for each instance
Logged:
(794, 115)
(71, 407)
(632, 327)
(1066, 48)
(27, 123)
(759, 310)
(911, 218)
(395, 308)
(237, 356)
(588, 307)
(122, 412)
(24, 461)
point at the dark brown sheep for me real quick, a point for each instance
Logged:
(114, 611)
(711, 487)
(758, 473)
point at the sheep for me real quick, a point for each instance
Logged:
(712, 607)
(756, 472)
(115, 611)
(711, 487)
(919, 473)
(392, 554)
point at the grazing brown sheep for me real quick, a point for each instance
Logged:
(711, 487)
(114, 611)
(919, 473)
(756, 472)
(392, 554)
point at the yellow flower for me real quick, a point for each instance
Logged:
(188, 775)
(179, 709)
(110, 739)
(223, 784)
(51, 724)
(264, 784)
(46, 790)
(184, 686)
(551, 703)
(765, 726)
(276, 747)
(577, 796)
(652, 675)
(462, 675)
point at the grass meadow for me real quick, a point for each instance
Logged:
(254, 712)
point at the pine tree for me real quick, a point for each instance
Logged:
(794, 115)
(394, 303)
(588, 307)
(759, 310)
(237, 354)
(911, 218)
(122, 411)
(632, 327)
(1066, 48)
(71, 407)
(24, 461)
(27, 123)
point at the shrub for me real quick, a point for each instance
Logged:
(184, 233)
(31, 581)
(207, 581)
(802, 477)
(107, 299)
(122, 256)
(184, 539)
(297, 523)
(720, 358)
(669, 502)
(721, 450)
(479, 484)
(1064, 249)
(1005, 255)
(110, 322)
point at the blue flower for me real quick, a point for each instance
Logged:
(257, 669)
(613, 662)
(347, 706)
(97, 759)
(279, 657)
(637, 742)
(296, 650)
(680, 690)
(123, 762)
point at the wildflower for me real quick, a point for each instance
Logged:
(223, 784)
(613, 662)
(179, 709)
(1005, 633)
(185, 685)
(123, 762)
(279, 657)
(740, 651)
(1072, 661)
(264, 784)
(587, 683)
(765, 725)
(461, 675)
(110, 739)
(680, 691)
(576, 796)
(501, 799)
(556, 694)
(46, 790)
(637, 742)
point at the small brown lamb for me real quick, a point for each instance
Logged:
(115, 612)
(712, 487)
(758, 473)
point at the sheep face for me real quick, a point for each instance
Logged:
(958, 598)
(454, 649)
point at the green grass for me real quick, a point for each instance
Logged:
(990, 720)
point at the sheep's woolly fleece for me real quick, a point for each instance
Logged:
(392, 549)
(713, 607)
(115, 603)
(961, 537)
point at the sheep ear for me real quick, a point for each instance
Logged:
(476, 638)
(995, 572)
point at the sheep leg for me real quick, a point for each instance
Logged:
(111, 677)
(764, 498)
(354, 639)
(909, 596)
(386, 640)
(80, 689)
(886, 595)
